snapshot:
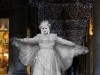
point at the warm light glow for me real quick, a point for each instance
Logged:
(5, 29)
(91, 28)
(4, 42)
(6, 35)
(6, 54)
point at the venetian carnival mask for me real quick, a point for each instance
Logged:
(45, 27)
(45, 30)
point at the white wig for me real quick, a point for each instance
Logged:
(43, 24)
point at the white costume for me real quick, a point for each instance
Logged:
(47, 54)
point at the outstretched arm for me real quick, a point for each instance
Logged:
(65, 42)
(27, 40)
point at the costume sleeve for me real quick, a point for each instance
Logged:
(17, 41)
(28, 49)
(27, 40)
(65, 42)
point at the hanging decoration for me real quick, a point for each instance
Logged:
(76, 30)
(49, 11)
(79, 10)
(57, 27)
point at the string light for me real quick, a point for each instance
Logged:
(37, 2)
(76, 30)
(57, 27)
(49, 11)
(87, 1)
(79, 10)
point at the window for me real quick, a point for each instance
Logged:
(4, 42)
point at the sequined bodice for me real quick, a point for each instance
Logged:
(46, 41)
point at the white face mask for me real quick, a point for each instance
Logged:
(45, 30)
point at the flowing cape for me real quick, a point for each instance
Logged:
(64, 54)
(28, 52)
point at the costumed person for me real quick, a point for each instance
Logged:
(47, 53)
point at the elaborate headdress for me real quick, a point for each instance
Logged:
(43, 24)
